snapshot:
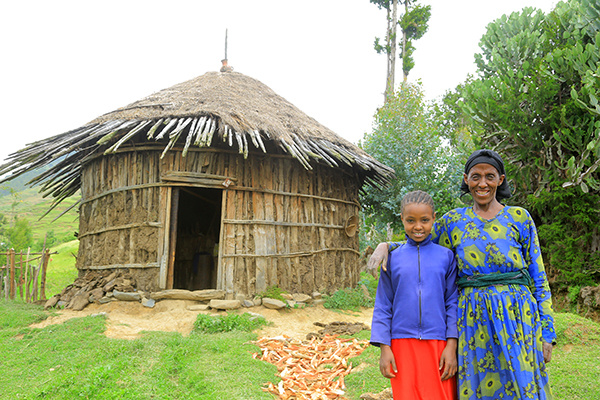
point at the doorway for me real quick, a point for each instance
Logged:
(195, 237)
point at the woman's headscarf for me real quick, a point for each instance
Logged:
(492, 158)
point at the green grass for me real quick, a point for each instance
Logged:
(75, 360)
(61, 270)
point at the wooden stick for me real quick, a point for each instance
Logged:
(12, 274)
(44, 268)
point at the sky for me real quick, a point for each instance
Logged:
(64, 63)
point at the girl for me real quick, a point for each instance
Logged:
(414, 320)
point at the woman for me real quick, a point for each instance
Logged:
(505, 323)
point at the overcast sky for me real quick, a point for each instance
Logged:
(64, 63)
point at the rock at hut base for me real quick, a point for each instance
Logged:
(273, 303)
(149, 303)
(301, 298)
(51, 302)
(79, 302)
(247, 303)
(225, 304)
(127, 296)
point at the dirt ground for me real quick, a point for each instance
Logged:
(125, 320)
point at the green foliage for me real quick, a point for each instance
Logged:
(354, 298)
(231, 322)
(19, 235)
(414, 25)
(568, 228)
(535, 100)
(272, 292)
(406, 138)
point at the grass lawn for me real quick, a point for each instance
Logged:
(75, 360)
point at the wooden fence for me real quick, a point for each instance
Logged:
(24, 274)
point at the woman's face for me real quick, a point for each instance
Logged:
(483, 181)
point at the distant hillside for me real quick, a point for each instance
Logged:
(20, 183)
(30, 204)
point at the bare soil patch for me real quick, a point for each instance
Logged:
(126, 320)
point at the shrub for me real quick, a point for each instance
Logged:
(272, 292)
(230, 322)
(353, 299)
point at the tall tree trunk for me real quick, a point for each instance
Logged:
(391, 51)
(404, 39)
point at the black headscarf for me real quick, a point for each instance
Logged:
(492, 158)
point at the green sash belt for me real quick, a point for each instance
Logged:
(520, 277)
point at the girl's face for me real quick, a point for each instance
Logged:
(418, 219)
(483, 181)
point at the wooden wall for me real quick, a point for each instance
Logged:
(280, 225)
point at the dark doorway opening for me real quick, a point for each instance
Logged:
(197, 239)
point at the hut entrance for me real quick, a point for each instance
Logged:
(195, 237)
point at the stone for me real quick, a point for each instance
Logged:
(181, 294)
(318, 301)
(590, 296)
(127, 296)
(287, 296)
(247, 303)
(291, 303)
(240, 297)
(106, 299)
(198, 307)
(317, 295)
(254, 316)
(51, 302)
(257, 301)
(225, 304)
(301, 297)
(96, 295)
(79, 302)
(272, 303)
(148, 302)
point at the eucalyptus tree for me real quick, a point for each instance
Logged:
(413, 25)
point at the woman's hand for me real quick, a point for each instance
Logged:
(448, 363)
(387, 363)
(378, 258)
(547, 349)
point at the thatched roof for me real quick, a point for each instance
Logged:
(227, 108)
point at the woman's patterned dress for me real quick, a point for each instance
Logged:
(500, 328)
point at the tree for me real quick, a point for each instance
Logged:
(535, 99)
(413, 24)
(406, 137)
(19, 235)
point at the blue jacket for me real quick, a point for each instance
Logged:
(417, 295)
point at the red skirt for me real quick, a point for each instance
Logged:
(418, 376)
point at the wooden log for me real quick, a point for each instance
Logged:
(12, 288)
(181, 294)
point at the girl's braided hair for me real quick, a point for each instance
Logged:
(418, 197)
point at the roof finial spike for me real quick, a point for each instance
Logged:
(225, 67)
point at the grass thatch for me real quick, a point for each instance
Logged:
(215, 109)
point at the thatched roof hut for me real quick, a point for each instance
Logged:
(216, 182)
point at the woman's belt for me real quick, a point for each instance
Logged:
(520, 277)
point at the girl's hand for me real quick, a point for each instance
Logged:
(378, 258)
(387, 363)
(448, 363)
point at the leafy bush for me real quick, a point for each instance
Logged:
(273, 292)
(353, 299)
(230, 322)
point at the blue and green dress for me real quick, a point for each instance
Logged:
(501, 328)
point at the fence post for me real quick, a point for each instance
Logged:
(12, 275)
(46, 258)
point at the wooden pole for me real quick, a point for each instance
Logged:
(172, 236)
(46, 258)
(12, 275)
